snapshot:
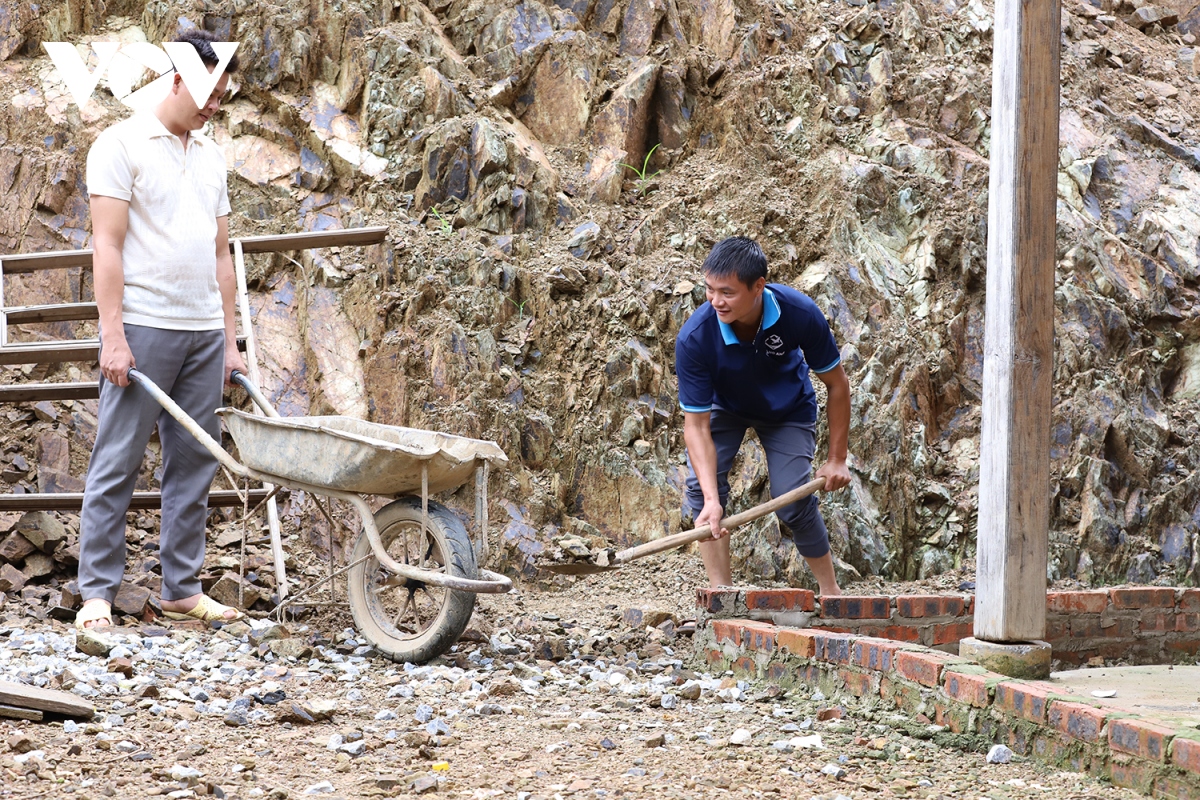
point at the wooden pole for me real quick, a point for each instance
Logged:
(1018, 366)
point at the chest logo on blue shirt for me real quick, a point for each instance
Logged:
(774, 345)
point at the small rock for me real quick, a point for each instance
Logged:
(294, 713)
(656, 740)
(191, 775)
(122, 666)
(740, 737)
(423, 784)
(236, 718)
(999, 754)
(90, 641)
(324, 787)
(826, 714)
(833, 771)
(668, 700)
(21, 743)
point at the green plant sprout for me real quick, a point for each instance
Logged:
(520, 308)
(643, 180)
(443, 224)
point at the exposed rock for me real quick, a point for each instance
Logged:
(619, 132)
(131, 600)
(42, 529)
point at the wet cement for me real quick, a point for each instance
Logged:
(1170, 694)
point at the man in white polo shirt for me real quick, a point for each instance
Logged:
(165, 291)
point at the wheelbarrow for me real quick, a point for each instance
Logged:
(414, 572)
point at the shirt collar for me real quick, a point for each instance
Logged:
(771, 315)
(153, 127)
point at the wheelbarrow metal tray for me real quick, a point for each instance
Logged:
(353, 455)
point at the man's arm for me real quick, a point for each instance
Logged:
(110, 221)
(837, 412)
(697, 436)
(227, 281)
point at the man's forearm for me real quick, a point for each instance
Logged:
(837, 412)
(703, 453)
(227, 282)
(108, 280)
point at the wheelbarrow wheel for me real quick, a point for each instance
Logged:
(408, 620)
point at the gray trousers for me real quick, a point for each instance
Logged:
(789, 447)
(190, 367)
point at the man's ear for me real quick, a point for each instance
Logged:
(176, 82)
(759, 285)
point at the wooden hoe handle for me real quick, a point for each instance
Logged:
(705, 531)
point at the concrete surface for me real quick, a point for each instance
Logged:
(1171, 694)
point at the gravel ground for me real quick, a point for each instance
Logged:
(557, 691)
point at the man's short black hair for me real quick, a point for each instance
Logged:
(738, 256)
(203, 42)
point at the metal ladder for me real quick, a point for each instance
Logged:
(87, 351)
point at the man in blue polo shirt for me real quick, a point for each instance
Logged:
(743, 361)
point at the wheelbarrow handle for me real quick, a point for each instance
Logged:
(705, 531)
(190, 425)
(255, 393)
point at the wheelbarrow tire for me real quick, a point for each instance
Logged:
(450, 544)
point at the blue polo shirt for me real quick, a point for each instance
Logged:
(766, 379)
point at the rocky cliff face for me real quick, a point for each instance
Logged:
(553, 173)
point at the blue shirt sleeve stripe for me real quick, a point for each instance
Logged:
(695, 409)
(836, 361)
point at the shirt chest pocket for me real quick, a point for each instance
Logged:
(208, 192)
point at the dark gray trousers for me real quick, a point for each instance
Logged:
(789, 447)
(190, 367)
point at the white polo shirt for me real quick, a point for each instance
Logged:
(175, 197)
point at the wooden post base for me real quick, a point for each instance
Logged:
(1028, 660)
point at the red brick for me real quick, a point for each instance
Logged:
(1157, 620)
(1132, 773)
(847, 607)
(1139, 737)
(832, 647)
(1077, 602)
(725, 630)
(1185, 754)
(857, 683)
(759, 636)
(919, 605)
(744, 664)
(716, 601)
(780, 600)
(1078, 721)
(1186, 788)
(1086, 627)
(714, 656)
(900, 633)
(1057, 628)
(777, 671)
(1025, 700)
(1189, 646)
(873, 654)
(1142, 598)
(1119, 627)
(1187, 623)
(952, 632)
(966, 688)
(798, 642)
(1189, 600)
(924, 668)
